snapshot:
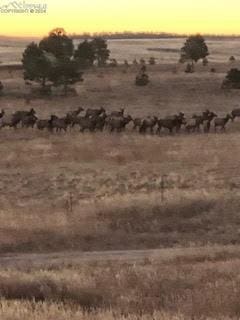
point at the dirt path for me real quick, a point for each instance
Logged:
(77, 257)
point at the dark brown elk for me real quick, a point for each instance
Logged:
(137, 123)
(20, 115)
(58, 123)
(207, 122)
(9, 121)
(100, 122)
(205, 116)
(75, 113)
(118, 123)
(2, 113)
(72, 115)
(44, 124)
(148, 123)
(87, 123)
(191, 125)
(29, 121)
(235, 113)
(171, 123)
(118, 113)
(95, 112)
(179, 120)
(221, 122)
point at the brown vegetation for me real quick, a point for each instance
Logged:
(200, 287)
(100, 191)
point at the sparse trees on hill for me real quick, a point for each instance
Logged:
(85, 54)
(194, 49)
(90, 51)
(36, 64)
(57, 43)
(101, 51)
(52, 60)
(66, 73)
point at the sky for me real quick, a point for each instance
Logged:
(79, 16)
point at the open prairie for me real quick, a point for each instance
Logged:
(72, 192)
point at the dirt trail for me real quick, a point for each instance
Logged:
(77, 257)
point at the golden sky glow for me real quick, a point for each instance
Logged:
(181, 16)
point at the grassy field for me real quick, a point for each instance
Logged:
(193, 287)
(103, 191)
(164, 50)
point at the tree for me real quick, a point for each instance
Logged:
(52, 61)
(194, 49)
(66, 73)
(57, 43)
(37, 67)
(101, 51)
(232, 80)
(85, 54)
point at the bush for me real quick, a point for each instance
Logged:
(205, 62)
(152, 61)
(142, 80)
(232, 80)
(135, 62)
(142, 62)
(113, 63)
(232, 59)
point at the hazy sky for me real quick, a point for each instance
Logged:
(181, 16)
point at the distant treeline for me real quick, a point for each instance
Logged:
(144, 35)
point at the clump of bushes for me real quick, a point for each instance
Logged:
(142, 79)
(232, 80)
(152, 61)
(232, 59)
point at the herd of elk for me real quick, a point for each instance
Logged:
(98, 120)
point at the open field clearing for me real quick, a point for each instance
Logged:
(104, 191)
(199, 285)
(122, 225)
(101, 191)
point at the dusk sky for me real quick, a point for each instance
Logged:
(180, 16)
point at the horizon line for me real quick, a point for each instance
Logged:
(122, 33)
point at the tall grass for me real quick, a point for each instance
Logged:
(127, 222)
(184, 290)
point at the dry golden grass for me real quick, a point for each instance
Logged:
(114, 183)
(100, 191)
(175, 289)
